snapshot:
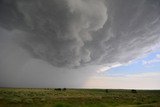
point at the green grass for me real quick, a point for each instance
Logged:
(14, 97)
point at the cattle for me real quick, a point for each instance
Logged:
(58, 89)
(134, 91)
(106, 90)
(64, 89)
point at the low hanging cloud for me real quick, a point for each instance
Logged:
(76, 33)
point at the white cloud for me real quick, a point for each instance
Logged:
(105, 68)
(158, 56)
(152, 61)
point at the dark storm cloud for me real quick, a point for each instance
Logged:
(72, 33)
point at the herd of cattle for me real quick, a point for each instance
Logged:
(107, 90)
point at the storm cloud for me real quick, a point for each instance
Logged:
(71, 33)
(78, 33)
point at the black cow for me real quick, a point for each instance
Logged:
(58, 89)
(134, 91)
(106, 90)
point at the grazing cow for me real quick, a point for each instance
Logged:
(106, 90)
(134, 91)
(58, 89)
(64, 89)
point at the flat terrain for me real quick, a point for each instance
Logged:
(17, 97)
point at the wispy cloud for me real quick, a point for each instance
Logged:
(104, 68)
(152, 61)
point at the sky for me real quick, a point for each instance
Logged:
(80, 43)
(142, 73)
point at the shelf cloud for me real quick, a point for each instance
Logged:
(78, 33)
(71, 33)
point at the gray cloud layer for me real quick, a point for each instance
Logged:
(76, 33)
(56, 31)
(70, 33)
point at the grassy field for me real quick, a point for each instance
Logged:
(14, 97)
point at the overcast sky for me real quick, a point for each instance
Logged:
(80, 43)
